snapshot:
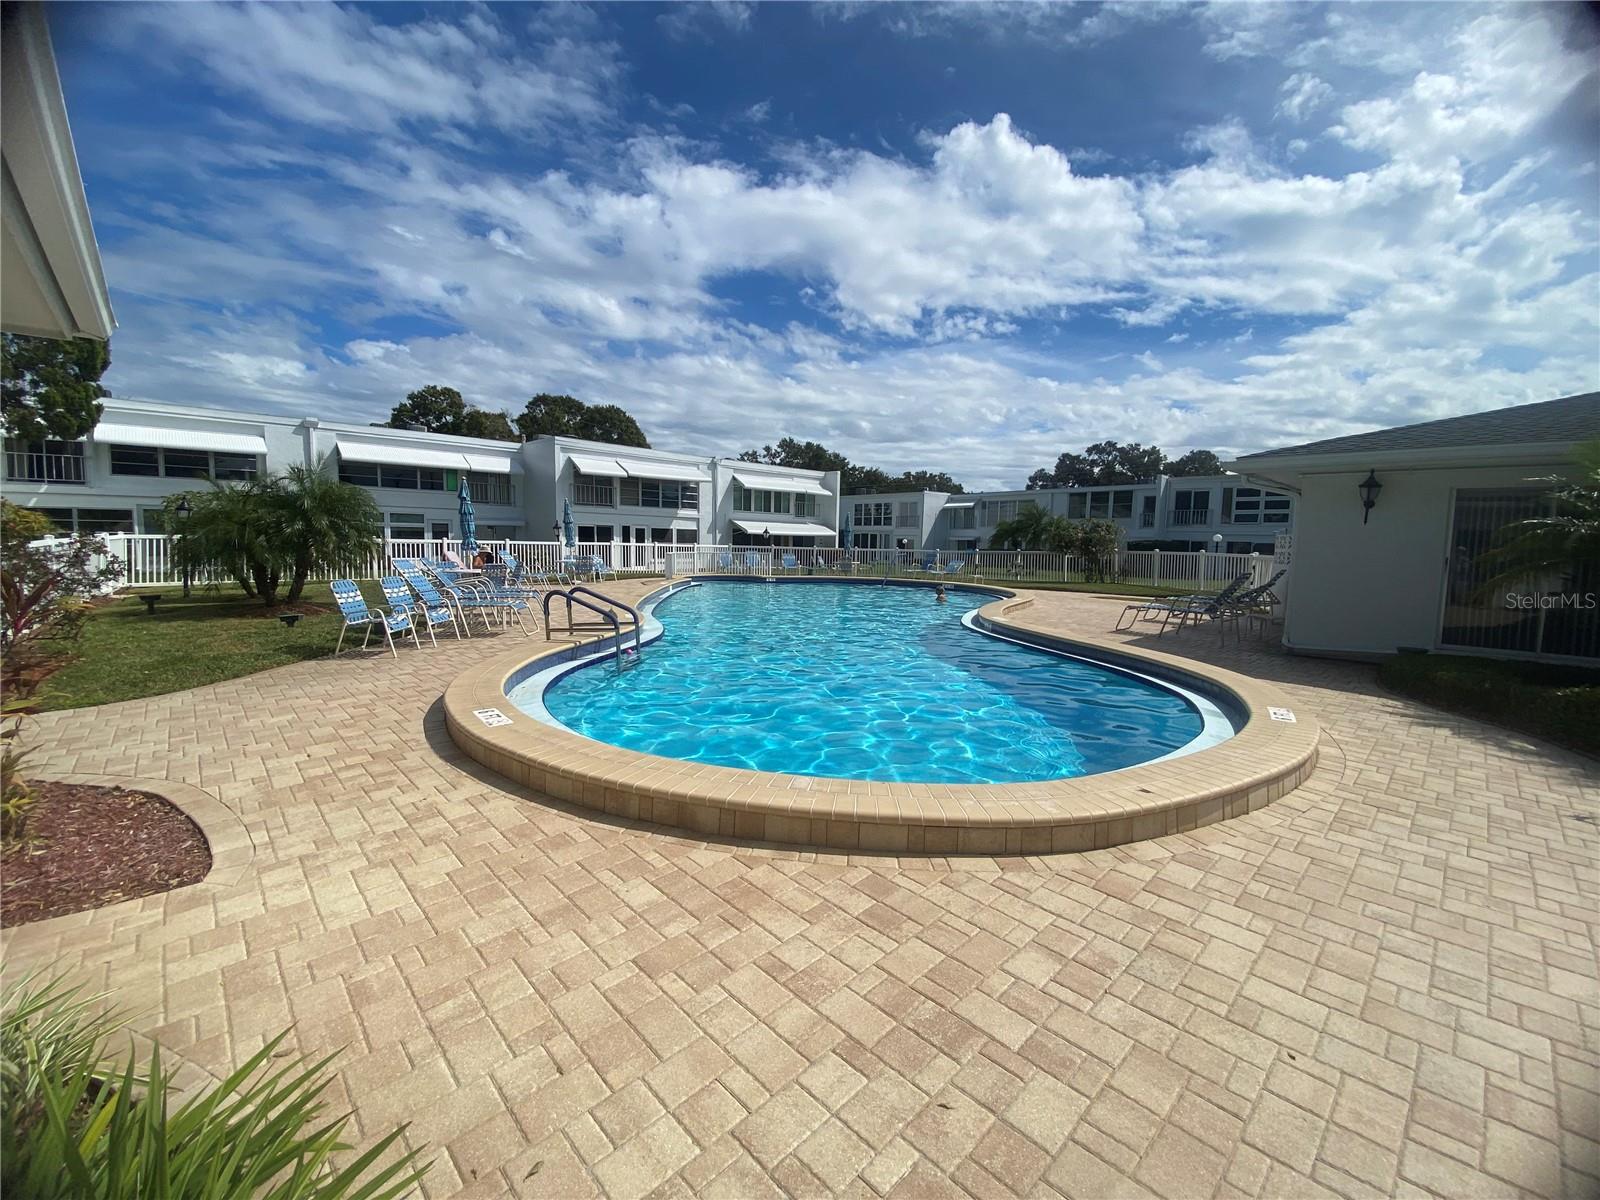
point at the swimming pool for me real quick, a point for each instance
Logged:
(869, 683)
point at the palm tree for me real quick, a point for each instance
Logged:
(229, 533)
(1556, 546)
(1032, 529)
(320, 524)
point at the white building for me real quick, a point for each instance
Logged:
(115, 480)
(1167, 513)
(1409, 571)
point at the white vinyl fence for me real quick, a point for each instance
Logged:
(146, 562)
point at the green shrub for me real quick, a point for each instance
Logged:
(1561, 703)
(71, 1127)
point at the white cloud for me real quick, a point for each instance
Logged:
(1302, 94)
(927, 304)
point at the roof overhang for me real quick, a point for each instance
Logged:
(1278, 466)
(119, 433)
(780, 483)
(645, 468)
(399, 454)
(783, 528)
(593, 464)
(51, 281)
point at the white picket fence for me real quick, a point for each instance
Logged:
(146, 562)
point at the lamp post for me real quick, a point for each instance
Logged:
(1369, 489)
(183, 511)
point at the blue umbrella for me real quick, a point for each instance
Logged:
(569, 527)
(469, 521)
(847, 534)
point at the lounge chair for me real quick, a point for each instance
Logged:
(483, 590)
(725, 561)
(426, 615)
(353, 608)
(1257, 603)
(752, 561)
(1171, 606)
(433, 594)
(791, 563)
(954, 567)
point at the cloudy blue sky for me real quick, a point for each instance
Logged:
(955, 236)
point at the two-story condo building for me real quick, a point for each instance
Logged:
(116, 480)
(1166, 513)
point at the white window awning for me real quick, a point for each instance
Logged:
(961, 504)
(780, 483)
(354, 450)
(117, 433)
(593, 464)
(489, 464)
(641, 468)
(783, 528)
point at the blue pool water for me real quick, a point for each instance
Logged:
(863, 682)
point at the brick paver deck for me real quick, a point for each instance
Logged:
(1385, 983)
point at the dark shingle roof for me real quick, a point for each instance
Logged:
(1570, 419)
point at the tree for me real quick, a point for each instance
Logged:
(430, 409)
(436, 409)
(1033, 529)
(1560, 546)
(1096, 542)
(925, 481)
(50, 388)
(858, 480)
(291, 525)
(1195, 463)
(1112, 462)
(480, 423)
(320, 524)
(610, 424)
(565, 416)
(802, 456)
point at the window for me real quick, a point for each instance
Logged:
(105, 520)
(659, 493)
(406, 526)
(153, 520)
(1002, 510)
(1192, 506)
(1122, 504)
(1252, 506)
(963, 518)
(45, 462)
(686, 537)
(660, 537)
(805, 504)
(1099, 504)
(135, 460)
(873, 513)
(1077, 505)
(181, 464)
(594, 533)
(746, 500)
(594, 491)
(186, 464)
(906, 514)
(61, 518)
(233, 466)
(359, 473)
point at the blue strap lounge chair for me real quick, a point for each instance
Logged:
(434, 596)
(791, 563)
(353, 608)
(954, 567)
(479, 591)
(752, 561)
(725, 561)
(426, 615)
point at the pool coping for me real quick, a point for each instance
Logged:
(1267, 758)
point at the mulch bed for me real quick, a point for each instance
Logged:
(88, 846)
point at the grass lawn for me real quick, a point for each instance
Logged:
(217, 634)
(1555, 702)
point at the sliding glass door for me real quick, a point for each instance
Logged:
(1556, 612)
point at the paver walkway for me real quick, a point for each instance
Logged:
(1385, 983)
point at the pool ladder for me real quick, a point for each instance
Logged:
(608, 616)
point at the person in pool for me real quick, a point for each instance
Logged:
(938, 595)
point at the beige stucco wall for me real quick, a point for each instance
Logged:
(1369, 589)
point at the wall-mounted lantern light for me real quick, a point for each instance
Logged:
(1369, 489)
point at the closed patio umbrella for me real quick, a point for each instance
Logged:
(469, 521)
(569, 527)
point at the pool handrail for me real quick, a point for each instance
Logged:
(575, 595)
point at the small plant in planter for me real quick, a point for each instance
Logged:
(73, 1126)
